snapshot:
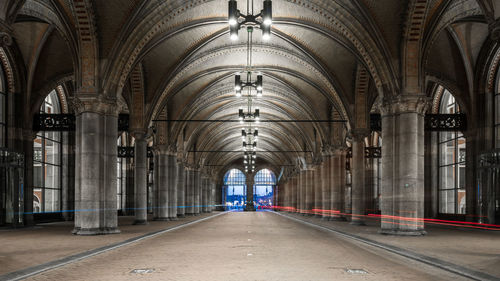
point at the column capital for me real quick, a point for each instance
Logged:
(94, 104)
(139, 135)
(405, 104)
(359, 134)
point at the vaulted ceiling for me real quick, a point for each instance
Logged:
(187, 62)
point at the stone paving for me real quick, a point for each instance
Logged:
(26, 247)
(246, 246)
(474, 249)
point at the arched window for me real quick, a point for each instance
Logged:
(47, 158)
(451, 151)
(234, 189)
(265, 180)
(3, 108)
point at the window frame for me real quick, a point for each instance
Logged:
(457, 162)
(44, 137)
(264, 177)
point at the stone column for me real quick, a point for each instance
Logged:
(172, 184)
(181, 190)
(160, 210)
(95, 194)
(140, 179)
(309, 191)
(295, 188)
(204, 199)
(211, 197)
(190, 191)
(302, 191)
(339, 183)
(358, 177)
(249, 182)
(326, 186)
(318, 196)
(402, 203)
(197, 191)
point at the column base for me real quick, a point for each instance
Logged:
(173, 218)
(160, 219)
(357, 223)
(337, 219)
(325, 218)
(181, 215)
(400, 232)
(140, 222)
(95, 231)
(249, 208)
(190, 214)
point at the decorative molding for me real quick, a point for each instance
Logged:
(446, 122)
(54, 122)
(405, 104)
(5, 39)
(94, 104)
(126, 152)
(373, 152)
(7, 68)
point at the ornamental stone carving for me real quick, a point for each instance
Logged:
(405, 104)
(5, 39)
(94, 104)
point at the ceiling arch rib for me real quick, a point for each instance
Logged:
(174, 13)
(231, 57)
(196, 84)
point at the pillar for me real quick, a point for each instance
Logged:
(211, 198)
(140, 179)
(250, 207)
(172, 184)
(160, 209)
(338, 183)
(326, 186)
(197, 191)
(204, 198)
(181, 190)
(190, 201)
(402, 202)
(309, 191)
(358, 177)
(96, 152)
(295, 189)
(317, 181)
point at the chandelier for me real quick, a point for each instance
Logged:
(263, 20)
(236, 21)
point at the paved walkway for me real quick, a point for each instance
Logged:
(478, 250)
(27, 247)
(247, 246)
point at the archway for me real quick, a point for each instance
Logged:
(234, 193)
(263, 189)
